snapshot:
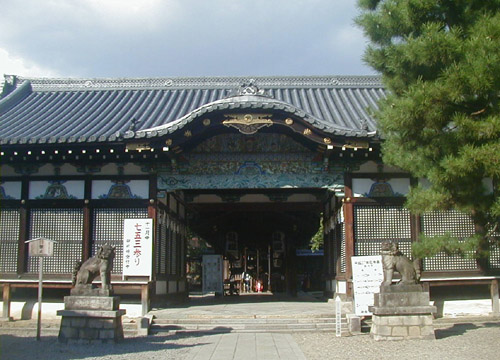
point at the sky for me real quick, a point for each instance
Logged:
(168, 38)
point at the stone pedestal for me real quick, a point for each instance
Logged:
(91, 318)
(402, 312)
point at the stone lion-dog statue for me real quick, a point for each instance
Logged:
(99, 265)
(394, 260)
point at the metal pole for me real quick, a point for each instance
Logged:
(269, 268)
(40, 288)
(258, 265)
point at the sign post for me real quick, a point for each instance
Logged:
(338, 317)
(40, 247)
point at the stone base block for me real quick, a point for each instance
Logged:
(402, 327)
(354, 323)
(108, 303)
(91, 325)
(91, 290)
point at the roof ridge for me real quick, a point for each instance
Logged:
(61, 84)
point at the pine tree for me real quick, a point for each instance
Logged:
(440, 62)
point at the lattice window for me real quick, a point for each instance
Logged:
(9, 237)
(182, 251)
(374, 224)
(327, 248)
(161, 241)
(108, 229)
(65, 226)
(342, 249)
(457, 224)
(331, 250)
(495, 253)
(173, 249)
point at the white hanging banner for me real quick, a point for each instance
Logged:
(137, 247)
(367, 275)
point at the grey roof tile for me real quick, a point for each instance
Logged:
(89, 110)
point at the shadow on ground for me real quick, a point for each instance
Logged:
(26, 347)
(461, 329)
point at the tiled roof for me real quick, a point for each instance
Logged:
(37, 111)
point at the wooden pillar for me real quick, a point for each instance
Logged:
(152, 214)
(291, 268)
(495, 306)
(6, 303)
(349, 229)
(23, 228)
(87, 221)
(415, 229)
(145, 300)
(87, 232)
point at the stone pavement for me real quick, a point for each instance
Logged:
(269, 346)
(246, 345)
(258, 304)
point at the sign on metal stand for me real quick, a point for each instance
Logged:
(40, 247)
(367, 275)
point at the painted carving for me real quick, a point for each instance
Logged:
(382, 189)
(3, 194)
(119, 190)
(248, 124)
(258, 143)
(56, 190)
(255, 161)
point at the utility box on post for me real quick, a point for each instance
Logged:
(41, 247)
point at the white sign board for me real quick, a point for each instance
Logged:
(367, 275)
(137, 247)
(40, 247)
(212, 274)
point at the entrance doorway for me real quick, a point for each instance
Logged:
(258, 233)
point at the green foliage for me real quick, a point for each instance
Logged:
(440, 61)
(450, 245)
(317, 240)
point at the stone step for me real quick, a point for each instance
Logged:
(218, 320)
(242, 317)
(223, 328)
(266, 324)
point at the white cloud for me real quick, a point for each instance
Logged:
(11, 65)
(135, 38)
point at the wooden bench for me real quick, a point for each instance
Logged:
(143, 287)
(492, 281)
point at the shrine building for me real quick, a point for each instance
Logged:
(250, 165)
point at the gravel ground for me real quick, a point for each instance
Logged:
(456, 341)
